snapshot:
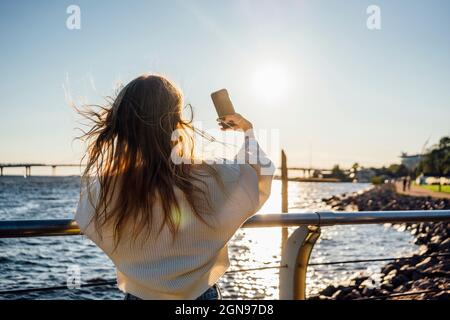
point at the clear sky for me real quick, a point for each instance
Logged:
(341, 93)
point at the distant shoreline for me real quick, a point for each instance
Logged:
(310, 179)
(75, 175)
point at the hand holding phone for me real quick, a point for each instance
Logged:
(224, 107)
(228, 118)
(235, 122)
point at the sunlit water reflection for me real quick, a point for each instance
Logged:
(37, 262)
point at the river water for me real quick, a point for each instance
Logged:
(46, 261)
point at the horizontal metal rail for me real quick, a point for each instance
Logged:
(67, 227)
(294, 260)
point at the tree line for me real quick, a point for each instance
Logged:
(435, 162)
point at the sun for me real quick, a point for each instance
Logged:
(270, 82)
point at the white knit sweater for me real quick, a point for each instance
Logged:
(162, 268)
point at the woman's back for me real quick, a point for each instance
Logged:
(164, 224)
(161, 266)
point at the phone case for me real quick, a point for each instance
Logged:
(222, 103)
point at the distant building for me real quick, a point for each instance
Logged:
(412, 161)
(363, 175)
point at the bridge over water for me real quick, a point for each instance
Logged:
(304, 171)
(28, 166)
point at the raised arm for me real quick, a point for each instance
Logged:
(251, 154)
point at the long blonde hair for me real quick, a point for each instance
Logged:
(129, 150)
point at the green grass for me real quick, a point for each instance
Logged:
(445, 189)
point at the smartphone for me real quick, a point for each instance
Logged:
(222, 102)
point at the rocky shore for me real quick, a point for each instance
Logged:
(427, 272)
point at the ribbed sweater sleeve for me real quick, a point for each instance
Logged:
(252, 155)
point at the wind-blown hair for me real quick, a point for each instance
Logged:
(129, 149)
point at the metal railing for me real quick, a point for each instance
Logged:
(295, 254)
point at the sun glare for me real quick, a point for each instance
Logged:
(270, 82)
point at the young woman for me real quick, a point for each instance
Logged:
(164, 223)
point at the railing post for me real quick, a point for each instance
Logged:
(295, 257)
(284, 196)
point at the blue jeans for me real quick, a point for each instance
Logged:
(212, 293)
